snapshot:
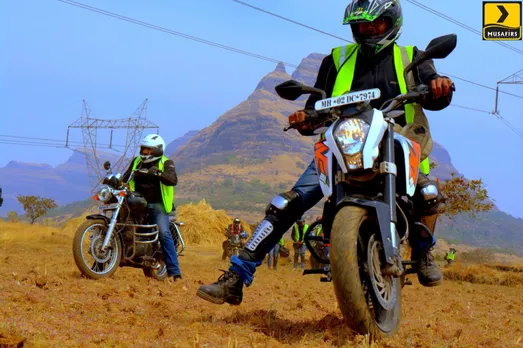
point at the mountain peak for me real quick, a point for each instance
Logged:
(280, 67)
(25, 165)
(272, 79)
(178, 142)
(308, 69)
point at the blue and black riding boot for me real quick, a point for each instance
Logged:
(429, 273)
(228, 288)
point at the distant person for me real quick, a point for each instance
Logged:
(157, 188)
(1, 199)
(274, 255)
(234, 229)
(298, 234)
(450, 256)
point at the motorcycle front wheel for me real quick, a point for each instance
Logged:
(369, 301)
(87, 250)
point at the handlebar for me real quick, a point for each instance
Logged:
(422, 92)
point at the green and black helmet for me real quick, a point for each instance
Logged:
(360, 11)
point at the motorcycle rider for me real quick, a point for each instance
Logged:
(450, 256)
(157, 188)
(374, 61)
(236, 228)
(298, 233)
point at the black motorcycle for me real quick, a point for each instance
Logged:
(122, 233)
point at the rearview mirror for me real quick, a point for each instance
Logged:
(292, 90)
(441, 47)
(438, 48)
(107, 165)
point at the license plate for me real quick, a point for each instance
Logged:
(108, 206)
(349, 98)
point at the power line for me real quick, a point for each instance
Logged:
(254, 55)
(516, 78)
(453, 76)
(461, 24)
(470, 108)
(233, 49)
(337, 37)
(30, 144)
(172, 32)
(44, 144)
(45, 141)
(292, 21)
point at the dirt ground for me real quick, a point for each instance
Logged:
(45, 302)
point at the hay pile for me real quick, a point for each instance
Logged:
(203, 224)
(70, 226)
(482, 274)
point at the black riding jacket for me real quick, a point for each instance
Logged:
(149, 186)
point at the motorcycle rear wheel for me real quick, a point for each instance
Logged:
(354, 238)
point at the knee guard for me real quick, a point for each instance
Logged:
(281, 213)
(429, 197)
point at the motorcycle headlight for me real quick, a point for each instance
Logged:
(350, 136)
(105, 194)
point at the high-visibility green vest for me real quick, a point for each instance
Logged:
(167, 191)
(345, 62)
(282, 241)
(451, 255)
(297, 232)
(318, 230)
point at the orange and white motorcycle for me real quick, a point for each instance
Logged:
(369, 175)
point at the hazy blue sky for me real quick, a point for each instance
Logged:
(54, 55)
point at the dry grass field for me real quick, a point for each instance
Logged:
(45, 302)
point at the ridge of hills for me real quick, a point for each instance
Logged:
(240, 161)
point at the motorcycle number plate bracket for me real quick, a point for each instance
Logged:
(108, 206)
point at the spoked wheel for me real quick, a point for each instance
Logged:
(369, 301)
(87, 250)
(383, 286)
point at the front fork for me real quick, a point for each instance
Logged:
(112, 224)
(389, 169)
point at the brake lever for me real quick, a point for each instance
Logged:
(293, 126)
(309, 119)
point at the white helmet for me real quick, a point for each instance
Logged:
(154, 142)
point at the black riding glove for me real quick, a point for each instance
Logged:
(154, 171)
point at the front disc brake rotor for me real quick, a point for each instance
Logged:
(96, 250)
(383, 286)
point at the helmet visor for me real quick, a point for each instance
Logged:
(145, 151)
